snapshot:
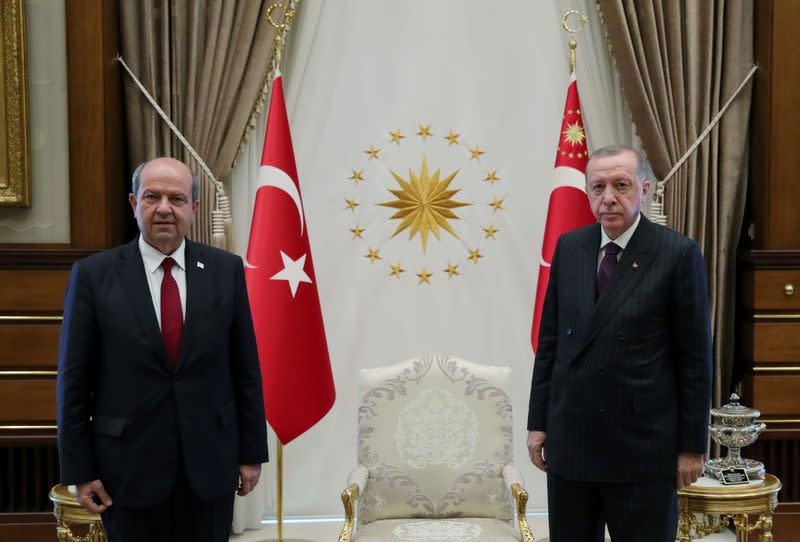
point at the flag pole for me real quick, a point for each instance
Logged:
(280, 31)
(582, 20)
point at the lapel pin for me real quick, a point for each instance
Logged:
(635, 265)
(201, 265)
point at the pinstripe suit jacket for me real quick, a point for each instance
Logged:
(622, 383)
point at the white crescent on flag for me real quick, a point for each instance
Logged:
(272, 176)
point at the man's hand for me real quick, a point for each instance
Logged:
(536, 449)
(690, 468)
(248, 478)
(86, 494)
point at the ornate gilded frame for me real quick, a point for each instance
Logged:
(15, 179)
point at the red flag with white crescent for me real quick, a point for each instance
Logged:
(282, 288)
(569, 207)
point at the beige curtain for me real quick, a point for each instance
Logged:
(679, 62)
(206, 63)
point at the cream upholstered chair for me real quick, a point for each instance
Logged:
(434, 456)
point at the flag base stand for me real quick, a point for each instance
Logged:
(280, 504)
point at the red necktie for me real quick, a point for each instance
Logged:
(171, 313)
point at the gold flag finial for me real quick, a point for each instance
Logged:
(582, 20)
(280, 29)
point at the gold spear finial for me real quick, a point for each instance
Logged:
(280, 29)
(582, 20)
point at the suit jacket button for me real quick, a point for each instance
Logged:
(569, 331)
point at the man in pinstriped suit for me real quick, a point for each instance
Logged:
(622, 379)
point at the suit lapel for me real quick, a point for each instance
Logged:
(134, 281)
(198, 281)
(631, 269)
(587, 270)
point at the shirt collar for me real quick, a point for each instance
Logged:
(153, 257)
(623, 239)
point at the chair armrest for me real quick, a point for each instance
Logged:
(513, 480)
(356, 483)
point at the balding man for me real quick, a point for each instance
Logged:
(160, 408)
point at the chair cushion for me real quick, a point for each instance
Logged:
(435, 433)
(438, 530)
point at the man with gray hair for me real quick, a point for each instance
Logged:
(160, 406)
(622, 378)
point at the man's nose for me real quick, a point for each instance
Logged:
(609, 196)
(163, 206)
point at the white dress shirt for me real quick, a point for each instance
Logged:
(152, 259)
(621, 241)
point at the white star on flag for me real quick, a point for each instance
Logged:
(292, 272)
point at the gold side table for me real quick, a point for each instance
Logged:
(73, 523)
(731, 504)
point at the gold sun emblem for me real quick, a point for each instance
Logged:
(574, 133)
(424, 204)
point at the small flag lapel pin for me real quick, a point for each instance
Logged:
(201, 265)
(635, 265)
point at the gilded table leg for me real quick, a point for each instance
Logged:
(741, 522)
(684, 520)
(765, 520)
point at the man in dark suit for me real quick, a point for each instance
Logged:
(160, 408)
(622, 380)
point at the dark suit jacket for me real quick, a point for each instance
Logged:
(622, 383)
(123, 412)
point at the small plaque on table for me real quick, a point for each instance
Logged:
(733, 476)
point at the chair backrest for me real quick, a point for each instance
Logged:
(434, 433)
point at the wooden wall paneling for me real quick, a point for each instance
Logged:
(29, 346)
(96, 163)
(32, 291)
(27, 400)
(760, 122)
(775, 342)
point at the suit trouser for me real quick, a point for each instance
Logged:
(183, 516)
(641, 511)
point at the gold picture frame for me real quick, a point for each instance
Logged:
(15, 178)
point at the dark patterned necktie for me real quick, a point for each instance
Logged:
(171, 313)
(607, 267)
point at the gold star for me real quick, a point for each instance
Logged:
(563, 153)
(358, 175)
(424, 131)
(372, 152)
(452, 138)
(424, 277)
(396, 136)
(570, 155)
(424, 204)
(475, 255)
(352, 204)
(373, 255)
(491, 177)
(357, 231)
(451, 270)
(396, 270)
(578, 111)
(476, 153)
(490, 231)
(496, 204)
(569, 111)
(574, 133)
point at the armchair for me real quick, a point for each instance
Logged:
(434, 456)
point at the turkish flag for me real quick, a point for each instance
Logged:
(282, 288)
(569, 206)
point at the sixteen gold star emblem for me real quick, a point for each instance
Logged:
(358, 175)
(373, 255)
(424, 131)
(357, 231)
(452, 138)
(451, 270)
(476, 152)
(396, 270)
(490, 231)
(574, 133)
(352, 204)
(372, 152)
(475, 255)
(396, 136)
(424, 277)
(491, 177)
(424, 204)
(496, 204)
